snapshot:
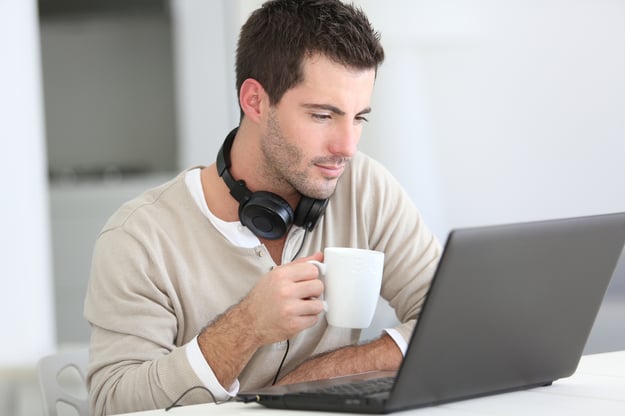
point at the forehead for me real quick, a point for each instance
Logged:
(329, 82)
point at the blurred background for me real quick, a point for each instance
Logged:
(486, 111)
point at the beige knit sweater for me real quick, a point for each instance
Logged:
(161, 272)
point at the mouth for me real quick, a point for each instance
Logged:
(331, 171)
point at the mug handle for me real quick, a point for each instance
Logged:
(322, 271)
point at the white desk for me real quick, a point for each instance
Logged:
(597, 388)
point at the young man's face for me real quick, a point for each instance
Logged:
(313, 131)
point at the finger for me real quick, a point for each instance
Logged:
(297, 272)
(317, 256)
(306, 307)
(308, 289)
(313, 307)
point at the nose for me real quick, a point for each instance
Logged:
(345, 142)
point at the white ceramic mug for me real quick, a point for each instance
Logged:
(352, 278)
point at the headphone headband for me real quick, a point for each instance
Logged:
(238, 189)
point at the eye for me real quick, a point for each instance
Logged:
(321, 116)
(361, 119)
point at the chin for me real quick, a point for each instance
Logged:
(323, 193)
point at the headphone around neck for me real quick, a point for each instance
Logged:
(266, 214)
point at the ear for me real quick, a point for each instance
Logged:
(253, 99)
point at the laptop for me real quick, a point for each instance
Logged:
(510, 307)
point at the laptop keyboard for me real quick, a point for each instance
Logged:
(359, 388)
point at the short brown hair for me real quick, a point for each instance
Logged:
(279, 35)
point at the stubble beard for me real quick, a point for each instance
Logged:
(283, 165)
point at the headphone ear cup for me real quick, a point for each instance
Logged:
(309, 211)
(266, 215)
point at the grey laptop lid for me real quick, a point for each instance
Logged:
(510, 307)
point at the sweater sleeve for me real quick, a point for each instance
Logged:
(411, 250)
(137, 359)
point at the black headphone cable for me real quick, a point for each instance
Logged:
(286, 352)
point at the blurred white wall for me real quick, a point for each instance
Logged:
(204, 43)
(26, 311)
(205, 36)
(492, 111)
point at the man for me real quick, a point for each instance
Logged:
(204, 281)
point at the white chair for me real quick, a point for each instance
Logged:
(62, 379)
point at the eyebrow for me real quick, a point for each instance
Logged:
(334, 109)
